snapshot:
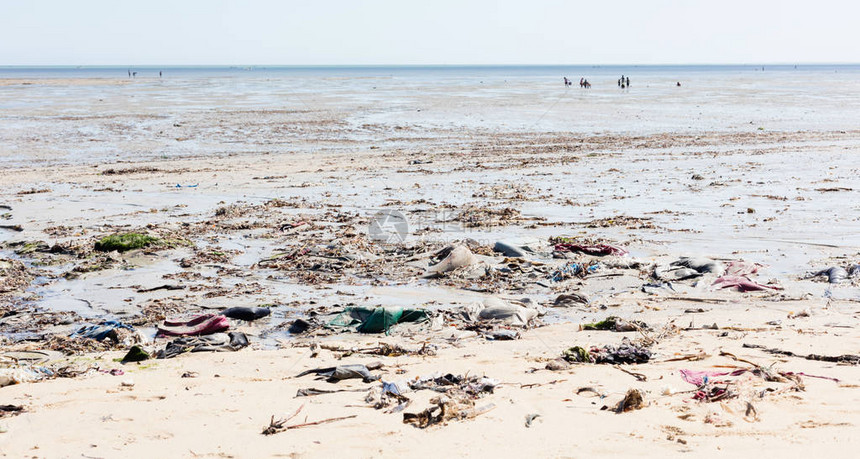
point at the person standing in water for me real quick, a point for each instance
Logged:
(628, 82)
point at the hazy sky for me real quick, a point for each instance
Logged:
(102, 32)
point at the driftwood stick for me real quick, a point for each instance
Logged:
(638, 376)
(316, 423)
(277, 426)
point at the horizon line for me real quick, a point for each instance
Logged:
(427, 65)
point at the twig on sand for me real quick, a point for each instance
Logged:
(277, 426)
(281, 425)
(316, 423)
(738, 359)
(161, 287)
(529, 386)
(689, 357)
(638, 376)
(697, 300)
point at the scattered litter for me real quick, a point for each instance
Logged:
(136, 354)
(599, 250)
(633, 400)
(376, 320)
(569, 299)
(341, 372)
(246, 314)
(616, 324)
(101, 331)
(217, 342)
(624, 353)
(204, 324)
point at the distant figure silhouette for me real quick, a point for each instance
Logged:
(628, 82)
(678, 84)
(159, 74)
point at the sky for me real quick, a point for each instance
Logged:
(388, 32)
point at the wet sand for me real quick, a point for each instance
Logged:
(239, 185)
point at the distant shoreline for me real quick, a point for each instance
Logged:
(168, 71)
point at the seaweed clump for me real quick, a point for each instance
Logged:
(125, 242)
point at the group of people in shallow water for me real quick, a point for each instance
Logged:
(623, 82)
(583, 83)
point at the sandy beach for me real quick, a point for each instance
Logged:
(700, 218)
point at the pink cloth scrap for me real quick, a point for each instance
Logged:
(697, 378)
(743, 284)
(205, 324)
(741, 268)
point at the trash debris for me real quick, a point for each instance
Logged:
(341, 372)
(512, 249)
(101, 331)
(13, 409)
(506, 312)
(687, 268)
(136, 354)
(557, 365)
(657, 288)
(216, 342)
(457, 257)
(626, 352)
(573, 269)
(299, 326)
(598, 250)
(616, 324)
(446, 409)
(311, 392)
(835, 274)
(204, 324)
(742, 284)
(10, 376)
(376, 320)
(246, 314)
(699, 378)
(569, 299)
(530, 418)
(502, 335)
(633, 400)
